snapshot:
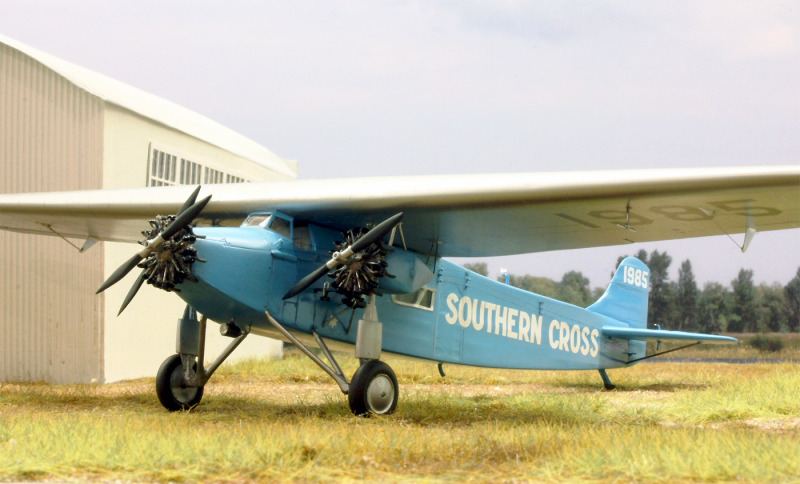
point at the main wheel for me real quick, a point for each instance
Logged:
(373, 389)
(171, 391)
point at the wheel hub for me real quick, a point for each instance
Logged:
(182, 393)
(380, 394)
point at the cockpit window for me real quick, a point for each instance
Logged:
(275, 222)
(257, 220)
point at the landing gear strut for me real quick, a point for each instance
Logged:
(606, 380)
(373, 389)
(181, 378)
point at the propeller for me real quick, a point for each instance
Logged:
(167, 254)
(340, 257)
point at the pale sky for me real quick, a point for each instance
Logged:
(415, 88)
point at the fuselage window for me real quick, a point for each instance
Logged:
(281, 226)
(302, 237)
(421, 299)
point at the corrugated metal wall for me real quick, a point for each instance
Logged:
(51, 138)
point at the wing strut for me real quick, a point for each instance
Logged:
(663, 352)
(748, 237)
(749, 233)
(51, 229)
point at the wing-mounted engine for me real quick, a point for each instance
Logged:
(357, 266)
(360, 275)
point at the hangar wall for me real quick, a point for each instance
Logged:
(52, 139)
(137, 341)
(56, 136)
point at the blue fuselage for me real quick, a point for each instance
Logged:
(436, 310)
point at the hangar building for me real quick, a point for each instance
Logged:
(63, 127)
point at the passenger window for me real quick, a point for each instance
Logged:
(281, 226)
(302, 237)
(421, 299)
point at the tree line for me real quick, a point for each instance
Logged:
(740, 307)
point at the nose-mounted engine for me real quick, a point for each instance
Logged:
(171, 264)
(167, 256)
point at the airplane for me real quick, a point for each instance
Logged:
(360, 264)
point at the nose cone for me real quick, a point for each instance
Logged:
(232, 272)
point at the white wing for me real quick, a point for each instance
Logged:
(461, 215)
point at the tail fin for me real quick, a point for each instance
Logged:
(626, 298)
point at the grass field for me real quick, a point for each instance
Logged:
(787, 348)
(283, 420)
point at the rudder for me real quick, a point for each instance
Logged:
(627, 296)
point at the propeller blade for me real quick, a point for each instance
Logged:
(303, 283)
(184, 219)
(189, 201)
(375, 234)
(121, 272)
(132, 292)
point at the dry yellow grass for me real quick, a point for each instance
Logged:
(284, 421)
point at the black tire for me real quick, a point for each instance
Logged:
(373, 390)
(171, 391)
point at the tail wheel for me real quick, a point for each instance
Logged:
(373, 390)
(173, 394)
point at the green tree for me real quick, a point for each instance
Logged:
(686, 298)
(745, 314)
(662, 291)
(539, 285)
(792, 292)
(478, 267)
(712, 310)
(661, 308)
(574, 289)
(773, 311)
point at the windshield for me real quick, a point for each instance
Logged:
(256, 220)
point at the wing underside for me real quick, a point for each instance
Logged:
(456, 216)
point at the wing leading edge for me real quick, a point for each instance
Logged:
(457, 216)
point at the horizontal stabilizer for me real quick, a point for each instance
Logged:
(662, 335)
